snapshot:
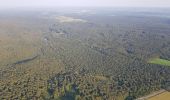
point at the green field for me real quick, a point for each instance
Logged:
(159, 61)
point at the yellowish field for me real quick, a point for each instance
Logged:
(162, 96)
(17, 43)
(65, 19)
(99, 77)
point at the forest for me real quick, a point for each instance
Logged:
(54, 55)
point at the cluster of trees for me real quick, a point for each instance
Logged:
(120, 55)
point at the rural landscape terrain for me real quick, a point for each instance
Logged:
(85, 54)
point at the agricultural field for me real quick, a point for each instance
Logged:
(157, 95)
(162, 96)
(68, 54)
(159, 61)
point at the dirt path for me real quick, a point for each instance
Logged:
(151, 95)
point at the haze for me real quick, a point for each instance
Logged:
(84, 3)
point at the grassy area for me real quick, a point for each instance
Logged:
(162, 96)
(159, 61)
(100, 77)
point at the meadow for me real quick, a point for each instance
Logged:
(159, 61)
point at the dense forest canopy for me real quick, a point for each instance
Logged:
(84, 54)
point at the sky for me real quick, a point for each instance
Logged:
(84, 3)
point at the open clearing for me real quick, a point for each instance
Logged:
(65, 19)
(158, 95)
(159, 61)
(162, 96)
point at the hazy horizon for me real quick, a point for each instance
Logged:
(83, 3)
